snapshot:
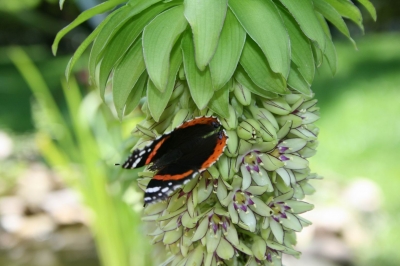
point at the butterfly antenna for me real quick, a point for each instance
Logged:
(116, 164)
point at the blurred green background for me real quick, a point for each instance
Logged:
(357, 204)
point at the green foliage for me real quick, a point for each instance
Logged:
(79, 156)
(285, 41)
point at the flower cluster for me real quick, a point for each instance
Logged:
(245, 209)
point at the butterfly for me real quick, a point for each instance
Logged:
(178, 156)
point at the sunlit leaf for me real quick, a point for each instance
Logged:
(303, 13)
(157, 100)
(126, 75)
(263, 23)
(242, 77)
(199, 82)
(219, 103)
(333, 16)
(122, 40)
(119, 18)
(348, 10)
(158, 39)
(330, 55)
(297, 82)
(206, 18)
(228, 52)
(85, 15)
(259, 71)
(369, 7)
(136, 93)
(301, 49)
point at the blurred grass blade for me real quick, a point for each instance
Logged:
(369, 7)
(219, 103)
(157, 100)
(242, 78)
(301, 49)
(333, 16)
(158, 39)
(303, 13)
(42, 93)
(262, 22)
(348, 10)
(297, 82)
(87, 14)
(199, 82)
(258, 69)
(230, 46)
(126, 74)
(122, 40)
(136, 94)
(61, 3)
(206, 18)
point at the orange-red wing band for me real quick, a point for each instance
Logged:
(197, 121)
(154, 151)
(219, 149)
(173, 177)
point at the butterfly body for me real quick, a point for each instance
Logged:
(179, 155)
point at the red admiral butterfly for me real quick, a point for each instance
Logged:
(179, 155)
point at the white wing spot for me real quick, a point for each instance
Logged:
(152, 189)
(165, 189)
(141, 153)
(160, 194)
(136, 162)
(170, 184)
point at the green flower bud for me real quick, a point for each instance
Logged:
(230, 122)
(267, 130)
(296, 120)
(237, 106)
(262, 113)
(277, 106)
(181, 116)
(177, 92)
(248, 129)
(233, 144)
(285, 129)
(242, 94)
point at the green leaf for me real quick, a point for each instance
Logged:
(330, 55)
(301, 50)
(136, 94)
(157, 101)
(219, 103)
(119, 18)
(85, 15)
(257, 68)
(297, 82)
(122, 40)
(199, 82)
(61, 2)
(333, 16)
(158, 39)
(348, 10)
(230, 46)
(126, 75)
(206, 18)
(369, 7)
(262, 22)
(324, 25)
(242, 78)
(82, 47)
(303, 13)
(110, 28)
